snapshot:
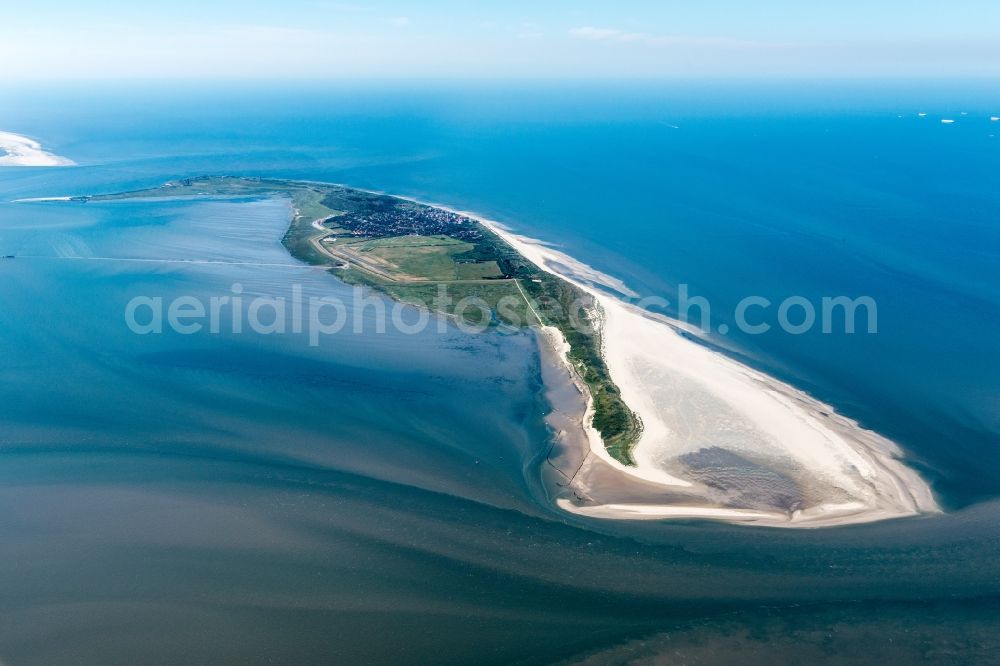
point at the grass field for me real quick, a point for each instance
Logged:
(430, 258)
(308, 203)
(478, 271)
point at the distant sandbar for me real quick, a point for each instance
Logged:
(17, 150)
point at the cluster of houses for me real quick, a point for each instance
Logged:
(405, 219)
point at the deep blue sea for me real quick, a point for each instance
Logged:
(254, 498)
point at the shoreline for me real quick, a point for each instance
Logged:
(865, 469)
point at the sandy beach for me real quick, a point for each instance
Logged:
(17, 150)
(687, 394)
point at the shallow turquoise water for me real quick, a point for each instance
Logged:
(378, 496)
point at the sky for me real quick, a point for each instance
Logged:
(578, 39)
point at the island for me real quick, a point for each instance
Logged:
(648, 422)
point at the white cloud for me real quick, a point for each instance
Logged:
(381, 44)
(621, 36)
(608, 34)
(266, 33)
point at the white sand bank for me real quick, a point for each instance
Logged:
(17, 150)
(690, 398)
